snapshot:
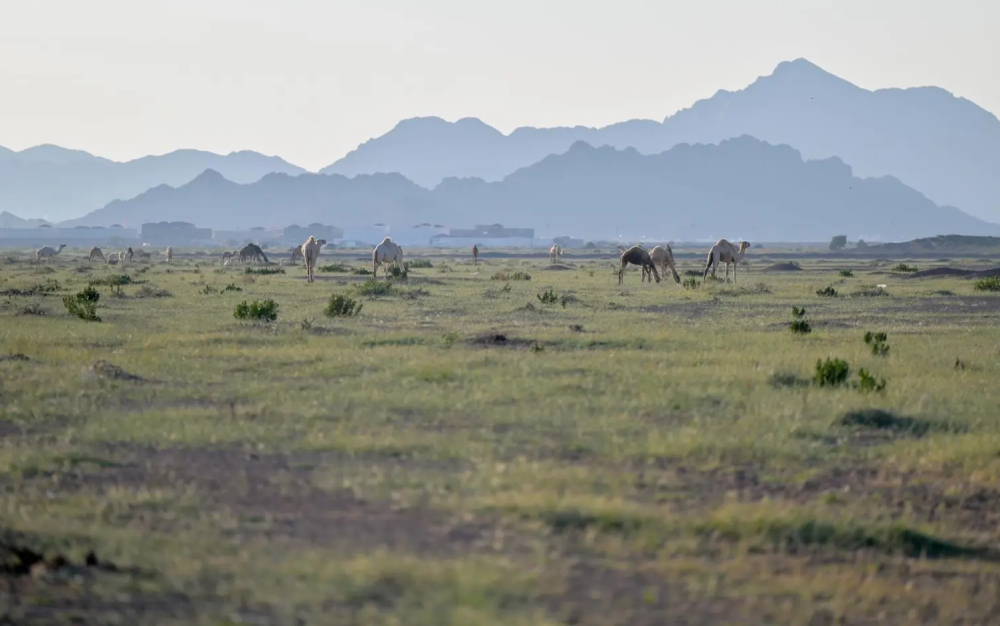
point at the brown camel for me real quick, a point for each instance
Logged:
(475, 254)
(637, 256)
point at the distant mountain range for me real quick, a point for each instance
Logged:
(946, 147)
(9, 220)
(60, 183)
(741, 187)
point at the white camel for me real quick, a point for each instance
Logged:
(169, 253)
(310, 253)
(386, 252)
(296, 255)
(555, 252)
(96, 254)
(113, 258)
(664, 258)
(48, 252)
(725, 252)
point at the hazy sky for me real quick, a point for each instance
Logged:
(311, 79)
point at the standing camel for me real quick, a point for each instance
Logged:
(637, 256)
(664, 257)
(475, 254)
(96, 254)
(725, 252)
(385, 253)
(47, 252)
(555, 252)
(170, 254)
(310, 252)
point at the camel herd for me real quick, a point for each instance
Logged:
(389, 253)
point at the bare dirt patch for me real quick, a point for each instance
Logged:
(556, 267)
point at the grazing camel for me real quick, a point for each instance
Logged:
(385, 253)
(310, 253)
(637, 256)
(96, 254)
(47, 252)
(475, 254)
(226, 256)
(664, 257)
(725, 252)
(555, 252)
(112, 258)
(169, 253)
(252, 251)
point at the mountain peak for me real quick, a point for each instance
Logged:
(802, 73)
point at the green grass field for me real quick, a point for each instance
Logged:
(462, 451)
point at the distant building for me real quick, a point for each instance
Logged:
(296, 234)
(243, 237)
(494, 235)
(80, 236)
(175, 234)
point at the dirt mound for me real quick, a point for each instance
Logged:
(555, 267)
(501, 340)
(953, 271)
(104, 369)
(783, 267)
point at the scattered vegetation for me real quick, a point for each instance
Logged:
(334, 268)
(342, 306)
(902, 267)
(258, 310)
(799, 325)
(231, 287)
(374, 287)
(877, 342)
(990, 283)
(398, 273)
(418, 264)
(846, 273)
(264, 271)
(831, 372)
(690, 283)
(867, 382)
(506, 275)
(548, 297)
(113, 281)
(827, 292)
(361, 271)
(83, 304)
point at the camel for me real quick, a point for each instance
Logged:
(129, 254)
(475, 254)
(664, 257)
(112, 258)
(386, 252)
(169, 253)
(47, 252)
(637, 256)
(252, 251)
(725, 252)
(296, 254)
(310, 253)
(226, 256)
(555, 252)
(143, 255)
(96, 252)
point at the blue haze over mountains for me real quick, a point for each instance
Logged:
(638, 177)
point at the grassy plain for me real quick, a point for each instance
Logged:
(637, 454)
